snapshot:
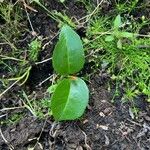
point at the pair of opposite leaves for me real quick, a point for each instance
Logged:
(71, 95)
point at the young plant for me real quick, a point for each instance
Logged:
(71, 95)
(118, 34)
(34, 48)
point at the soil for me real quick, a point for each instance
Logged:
(104, 126)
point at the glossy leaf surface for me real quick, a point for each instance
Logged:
(69, 99)
(68, 56)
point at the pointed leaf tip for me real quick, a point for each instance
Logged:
(68, 56)
(117, 22)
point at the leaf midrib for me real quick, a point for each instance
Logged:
(68, 62)
(66, 105)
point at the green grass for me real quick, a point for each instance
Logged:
(126, 57)
(129, 65)
(10, 32)
(11, 28)
(37, 107)
(15, 60)
(126, 6)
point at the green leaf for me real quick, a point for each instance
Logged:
(119, 44)
(69, 99)
(34, 48)
(51, 89)
(109, 38)
(127, 35)
(68, 56)
(117, 22)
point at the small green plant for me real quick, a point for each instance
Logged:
(126, 6)
(124, 54)
(117, 34)
(34, 48)
(71, 95)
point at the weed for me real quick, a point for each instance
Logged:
(126, 6)
(37, 107)
(12, 119)
(11, 27)
(22, 67)
(57, 16)
(119, 35)
(34, 48)
(10, 30)
(125, 53)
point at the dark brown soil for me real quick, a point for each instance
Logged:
(104, 126)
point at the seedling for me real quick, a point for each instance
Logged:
(34, 48)
(71, 95)
(118, 34)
